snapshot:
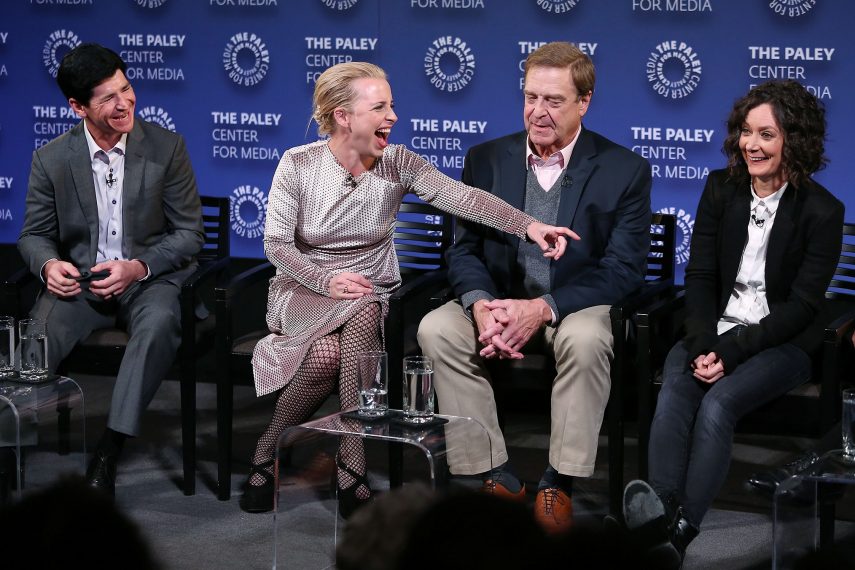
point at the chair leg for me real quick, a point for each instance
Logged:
(225, 405)
(188, 427)
(615, 443)
(63, 424)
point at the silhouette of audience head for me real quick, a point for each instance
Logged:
(71, 525)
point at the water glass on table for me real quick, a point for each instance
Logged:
(848, 424)
(372, 370)
(7, 347)
(418, 389)
(34, 363)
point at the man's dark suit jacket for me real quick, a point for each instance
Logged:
(605, 198)
(161, 212)
(804, 247)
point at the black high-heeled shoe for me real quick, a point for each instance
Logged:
(348, 500)
(258, 498)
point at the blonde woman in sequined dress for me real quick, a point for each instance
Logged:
(330, 221)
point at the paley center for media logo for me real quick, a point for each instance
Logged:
(673, 69)
(248, 211)
(340, 5)
(150, 3)
(59, 40)
(792, 8)
(240, 46)
(157, 116)
(557, 6)
(683, 239)
(449, 64)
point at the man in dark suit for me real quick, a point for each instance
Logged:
(112, 226)
(511, 298)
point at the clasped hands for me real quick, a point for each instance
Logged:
(708, 367)
(506, 325)
(62, 278)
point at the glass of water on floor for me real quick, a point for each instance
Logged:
(34, 363)
(7, 347)
(848, 424)
(418, 389)
(372, 370)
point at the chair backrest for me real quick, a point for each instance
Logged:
(422, 234)
(842, 285)
(215, 220)
(660, 260)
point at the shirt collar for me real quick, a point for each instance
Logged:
(94, 148)
(771, 202)
(566, 152)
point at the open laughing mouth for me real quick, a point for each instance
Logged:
(383, 136)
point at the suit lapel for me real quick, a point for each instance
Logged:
(80, 165)
(734, 236)
(512, 183)
(135, 161)
(576, 177)
(782, 230)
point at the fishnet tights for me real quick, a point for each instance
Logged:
(314, 380)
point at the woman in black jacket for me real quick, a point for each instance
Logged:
(765, 245)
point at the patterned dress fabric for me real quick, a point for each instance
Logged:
(321, 221)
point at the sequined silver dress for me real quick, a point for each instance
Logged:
(321, 222)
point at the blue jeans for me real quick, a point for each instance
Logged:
(692, 432)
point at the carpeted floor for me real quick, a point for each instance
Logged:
(201, 532)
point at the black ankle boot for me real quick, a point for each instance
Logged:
(682, 534)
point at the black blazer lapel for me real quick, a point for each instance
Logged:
(782, 231)
(80, 165)
(734, 233)
(575, 178)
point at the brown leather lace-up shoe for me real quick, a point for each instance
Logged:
(553, 509)
(495, 488)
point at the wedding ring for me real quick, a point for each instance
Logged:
(345, 289)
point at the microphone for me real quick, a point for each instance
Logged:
(758, 221)
(350, 181)
(567, 181)
(110, 180)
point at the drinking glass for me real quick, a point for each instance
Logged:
(848, 424)
(372, 369)
(7, 347)
(418, 389)
(34, 363)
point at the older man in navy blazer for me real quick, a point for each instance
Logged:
(511, 298)
(115, 197)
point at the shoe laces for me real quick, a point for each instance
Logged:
(550, 497)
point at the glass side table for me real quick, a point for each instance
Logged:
(305, 471)
(804, 508)
(21, 406)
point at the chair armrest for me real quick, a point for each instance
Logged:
(240, 282)
(205, 272)
(431, 281)
(648, 293)
(659, 309)
(12, 288)
(840, 327)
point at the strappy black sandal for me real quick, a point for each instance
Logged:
(348, 500)
(258, 498)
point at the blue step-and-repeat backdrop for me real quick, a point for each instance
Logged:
(235, 77)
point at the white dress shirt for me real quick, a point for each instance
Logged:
(747, 303)
(108, 173)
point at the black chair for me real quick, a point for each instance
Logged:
(535, 373)
(102, 351)
(422, 234)
(810, 410)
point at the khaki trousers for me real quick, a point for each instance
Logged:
(582, 347)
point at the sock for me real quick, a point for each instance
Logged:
(111, 443)
(504, 474)
(552, 478)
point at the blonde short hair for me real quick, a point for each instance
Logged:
(334, 89)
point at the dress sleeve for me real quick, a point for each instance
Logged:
(282, 213)
(449, 195)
